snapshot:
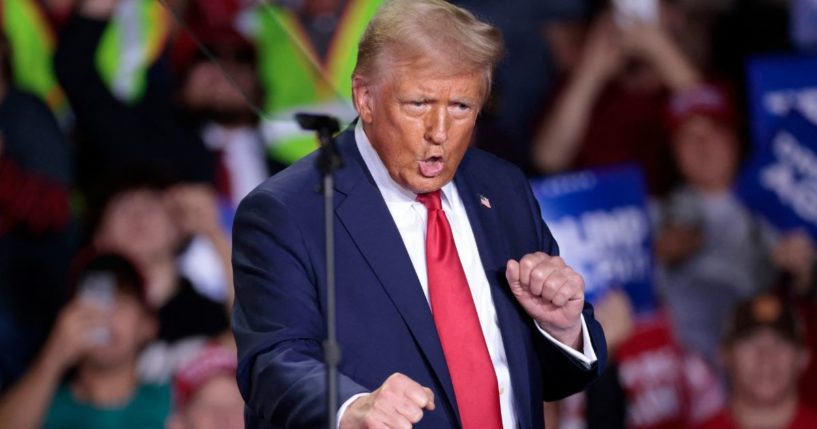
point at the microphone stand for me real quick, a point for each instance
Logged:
(328, 161)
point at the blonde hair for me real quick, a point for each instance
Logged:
(412, 30)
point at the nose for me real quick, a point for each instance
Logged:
(437, 124)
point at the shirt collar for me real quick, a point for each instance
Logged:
(392, 192)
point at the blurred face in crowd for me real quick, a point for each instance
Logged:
(216, 405)
(208, 89)
(138, 224)
(706, 153)
(764, 367)
(130, 326)
(420, 121)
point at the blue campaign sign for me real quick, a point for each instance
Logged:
(778, 86)
(601, 222)
(780, 180)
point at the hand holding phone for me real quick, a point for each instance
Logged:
(98, 289)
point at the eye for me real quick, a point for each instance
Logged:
(460, 109)
(415, 107)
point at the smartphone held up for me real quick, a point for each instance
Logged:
(629, 12)
(98, 289)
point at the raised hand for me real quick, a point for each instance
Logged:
(551, 293)
(72, 336)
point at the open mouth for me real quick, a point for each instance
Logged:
(432, 166)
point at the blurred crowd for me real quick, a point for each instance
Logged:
(131, 129)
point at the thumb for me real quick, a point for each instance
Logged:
(512, 273)
(430, 396)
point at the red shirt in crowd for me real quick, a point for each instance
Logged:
(666, 388)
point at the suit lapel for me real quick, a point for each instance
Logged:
(493, 251)
(367, 219)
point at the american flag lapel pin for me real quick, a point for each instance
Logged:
(485, 201)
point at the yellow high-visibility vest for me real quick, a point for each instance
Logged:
(295, 78)
(133, 40)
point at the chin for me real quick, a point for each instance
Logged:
(426, 186)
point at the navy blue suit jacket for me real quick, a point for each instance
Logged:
(384, 321)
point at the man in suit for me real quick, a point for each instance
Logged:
(453, 310)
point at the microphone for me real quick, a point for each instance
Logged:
(320, 123)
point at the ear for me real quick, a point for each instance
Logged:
(363, 97)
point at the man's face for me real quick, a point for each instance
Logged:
(138, 224)
(764, 367)
(706, 152)
(420, 122)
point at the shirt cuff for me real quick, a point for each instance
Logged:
(588, 356)
(346, 404)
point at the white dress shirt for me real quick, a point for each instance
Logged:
(411, 216)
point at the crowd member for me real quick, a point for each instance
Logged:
(113, 135)
(143, 218)
(665, 385)
(307, 52)
(609, 110)
(204, 132)
(764, 356)
(205, 392)
(712, 252)
(218, 92)
(86, 374)
(651, 383)
(35, 221)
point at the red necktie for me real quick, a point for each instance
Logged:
(455, 316)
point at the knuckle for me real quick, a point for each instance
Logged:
(416, 416)
(386, 396)
(395, 380)
(537, 275)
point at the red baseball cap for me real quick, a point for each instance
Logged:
(211, 362)
(707, 100)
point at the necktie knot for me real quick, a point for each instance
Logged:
(431, 200)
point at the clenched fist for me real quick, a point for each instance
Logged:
(551, 293)
(398, 403)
